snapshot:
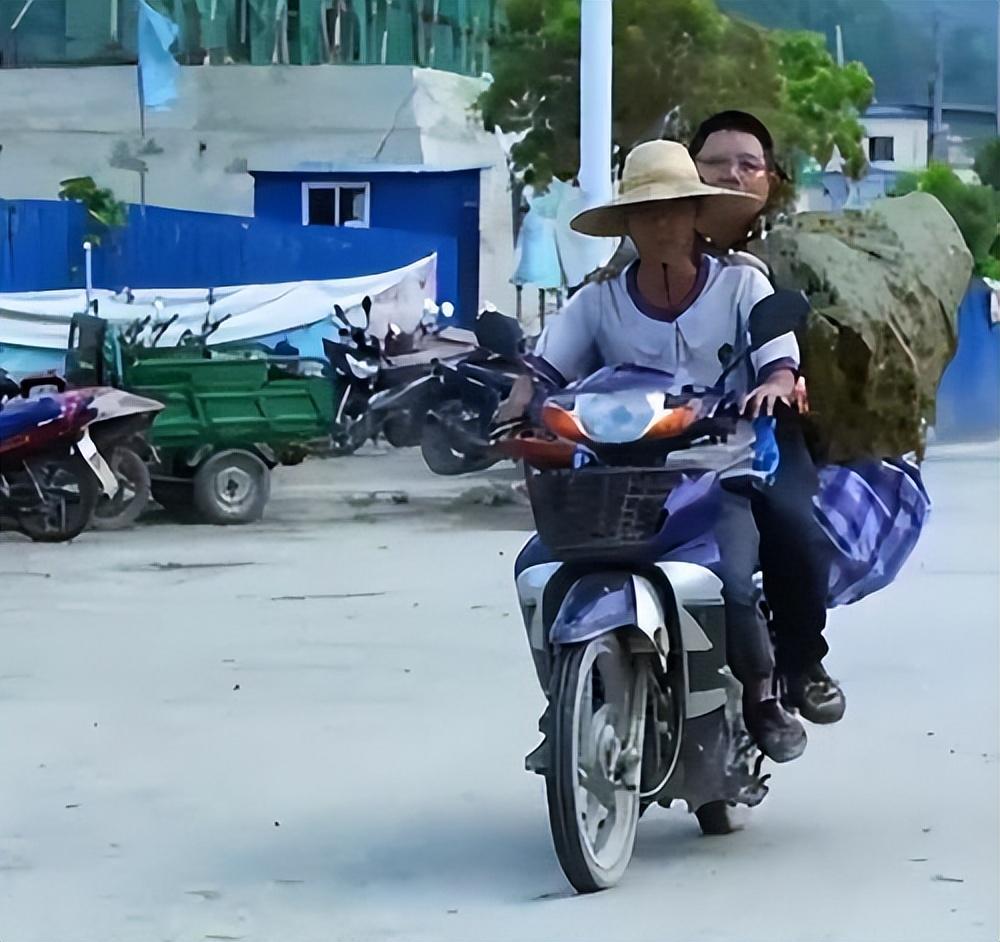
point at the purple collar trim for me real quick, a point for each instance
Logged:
(671, 313)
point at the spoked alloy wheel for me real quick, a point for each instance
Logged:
(598, 712)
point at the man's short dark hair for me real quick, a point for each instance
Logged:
(741, 121)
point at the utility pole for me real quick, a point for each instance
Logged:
(595, 100)
(840, 46)
(939, 146)
(595, 124)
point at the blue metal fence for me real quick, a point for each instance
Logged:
(968, 400)
(41, 248)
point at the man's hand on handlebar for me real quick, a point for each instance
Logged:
(515, 406)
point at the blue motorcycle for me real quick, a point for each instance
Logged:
(623, 614)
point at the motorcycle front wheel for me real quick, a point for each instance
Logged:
(134, 491)
(439, 448)
(70, 491)
(598, 713)
(349, 435)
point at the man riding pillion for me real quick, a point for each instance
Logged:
(679, 310)
(735, 150)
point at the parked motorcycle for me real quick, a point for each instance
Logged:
(371, 371)
(450, 411)
(625, 623)
(119, 429)
(119, 432)
(51, 473)
(115, 425)
(356, 360)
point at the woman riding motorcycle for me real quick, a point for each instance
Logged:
(680, 310)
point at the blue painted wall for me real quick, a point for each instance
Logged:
(968, 401)
(41, 248)
(442, 204)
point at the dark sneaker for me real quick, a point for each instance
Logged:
(779, 735)
(816, 695)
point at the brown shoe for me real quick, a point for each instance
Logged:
(816, 695)
(779, 735)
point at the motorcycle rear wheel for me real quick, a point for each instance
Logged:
(598, 714)
(70, 491)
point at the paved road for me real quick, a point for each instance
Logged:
(312, 730)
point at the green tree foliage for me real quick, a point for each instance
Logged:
(975, 209)
(988, 163)
(675, 63)
(100, 202)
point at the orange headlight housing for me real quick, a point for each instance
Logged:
(671, 423)
(562, 423)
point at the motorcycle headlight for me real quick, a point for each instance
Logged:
(616, 419)
(362, 368)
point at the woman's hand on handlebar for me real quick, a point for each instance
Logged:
(778, 387)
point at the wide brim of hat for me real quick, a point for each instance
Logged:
(610, 219)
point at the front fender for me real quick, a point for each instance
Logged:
(607, 601)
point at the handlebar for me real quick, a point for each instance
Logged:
(215, 326)
(131, 333)
(160, 330)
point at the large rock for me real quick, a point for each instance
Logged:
(885, 285)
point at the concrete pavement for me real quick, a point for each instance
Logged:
(312, 730)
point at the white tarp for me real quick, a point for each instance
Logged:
(40, 319)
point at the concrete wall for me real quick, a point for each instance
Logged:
(58, 123)
(910, 136)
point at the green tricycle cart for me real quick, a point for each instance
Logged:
(230, 416)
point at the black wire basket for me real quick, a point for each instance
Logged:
(599, 511)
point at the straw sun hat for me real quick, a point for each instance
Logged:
(660, 171)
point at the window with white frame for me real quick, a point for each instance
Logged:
(336, 204)
(881, 149)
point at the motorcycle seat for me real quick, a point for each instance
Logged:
(20, 415)
(425, 354)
